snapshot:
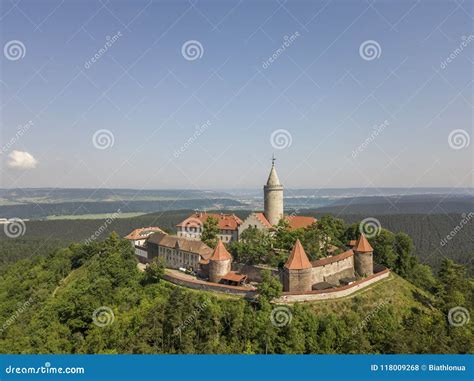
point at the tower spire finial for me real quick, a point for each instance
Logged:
(273, 159)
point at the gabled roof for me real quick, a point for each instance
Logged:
(294, 222)
(363, 246)
(261, 217)
(225, 221)
(143, 233)
(173, 242)
(298, 259)
(220, 253)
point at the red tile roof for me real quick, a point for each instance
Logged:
(297, 222)
(261, 217)
(225, 221)
(143, 233)
(335, 258)
(363, 246)
(234, 277)
(220, 253)
(298, 259)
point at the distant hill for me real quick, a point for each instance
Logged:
(412, 204)
(41, 210)
(41, 203)
(61, 195)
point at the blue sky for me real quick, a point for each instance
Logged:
(401, 117)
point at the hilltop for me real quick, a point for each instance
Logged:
(92, 299)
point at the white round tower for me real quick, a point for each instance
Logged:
(273, 197)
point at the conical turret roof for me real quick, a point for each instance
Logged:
(298, 260)
(220, 253)
(362, 245)
(273, 179)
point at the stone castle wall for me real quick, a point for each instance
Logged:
(334, 293)
(253, 272)
(208, 286)
(333, 272)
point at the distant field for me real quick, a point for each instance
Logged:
(94, 216)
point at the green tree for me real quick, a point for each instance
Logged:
(253, 247)
(155, 270)
(383, 245)
(285, 238)
(270, 287)
(403, 247)
(210, 232)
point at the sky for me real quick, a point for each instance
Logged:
(201, 94)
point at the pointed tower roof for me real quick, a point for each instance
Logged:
(273, 177)
(298, 259)
(220, 253)
(362, 245)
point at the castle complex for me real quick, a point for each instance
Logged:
(231, 227)
(210, 268)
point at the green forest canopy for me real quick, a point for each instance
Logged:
(49, 304)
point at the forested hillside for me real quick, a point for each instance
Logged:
(92, 299)
(427, 232)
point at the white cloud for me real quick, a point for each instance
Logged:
(21, 160)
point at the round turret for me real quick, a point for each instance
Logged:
(363, 257)
(220, 263)
(297, 272)
(273, 197)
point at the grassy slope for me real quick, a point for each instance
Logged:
(398, 292)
